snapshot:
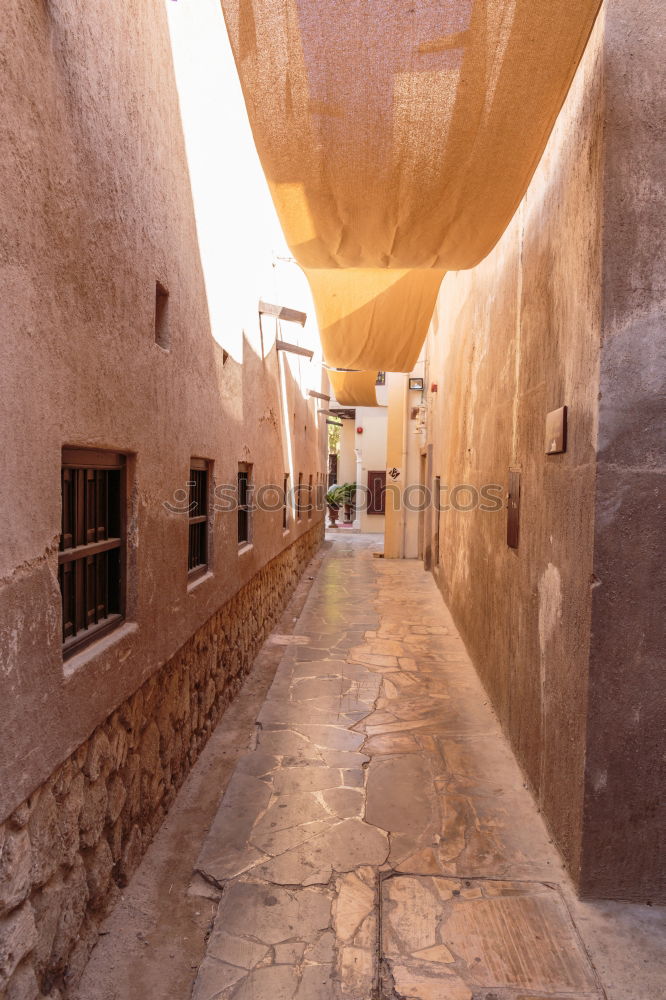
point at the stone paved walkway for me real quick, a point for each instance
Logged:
(378, 841)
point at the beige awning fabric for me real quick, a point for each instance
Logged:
(354, 388)
(399, 135)
(372, 317)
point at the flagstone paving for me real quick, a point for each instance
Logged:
(378, 841)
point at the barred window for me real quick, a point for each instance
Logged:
(91, 561)
(197, 551)
(244, 483)
(299, 499)
(310, 498)
(285, 501)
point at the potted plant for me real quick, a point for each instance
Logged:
(333, 504)
(347, 495)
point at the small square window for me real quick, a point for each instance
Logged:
(162, 332)
(244, 491)
(197, 549)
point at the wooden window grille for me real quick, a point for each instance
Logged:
(299, 499)
(310, 498)
(243, 503)
(285, 500)
(377, 492)
(197, 549)
(91, 560)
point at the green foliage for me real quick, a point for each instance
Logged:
(347, 492)
(337, 495)
(332, 497)
(334, 439)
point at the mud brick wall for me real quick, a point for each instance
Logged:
(67, 851)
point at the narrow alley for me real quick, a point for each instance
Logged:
(378, 840)
(332, 561)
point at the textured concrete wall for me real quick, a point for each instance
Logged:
(513, 339)
(372, 445)
(69, 848)
(566, 630)
(624, 837)
(96, 207)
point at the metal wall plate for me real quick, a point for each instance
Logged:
(556, 431)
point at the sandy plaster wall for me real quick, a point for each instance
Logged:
(625, 810)
(512, 339)
(567, 631)
(96, 209)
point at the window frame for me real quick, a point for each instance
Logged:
(198, 465)
(285, 502)
(85, 461)
(299, 504)
(244, 467)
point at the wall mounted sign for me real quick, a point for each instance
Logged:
(556, 431)
(394, 473)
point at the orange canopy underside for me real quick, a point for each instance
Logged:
(398, 138)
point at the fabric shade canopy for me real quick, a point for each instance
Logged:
(354, 388)
(374, 317)
(399, 136)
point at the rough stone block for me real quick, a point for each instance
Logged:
(62, 780)
(132, 780)
(15, 865)
(80, 954)
(45, 837)
(74, 899)
(150, 749)
(119, 742)
(116, 798)
(116, 838)
(23, 984)
(131, 855)
(93, 813)
(19, 818)
(99, 757)
(69, 815)
(46, 905)
(18, 936)
(99, 864)
(152, 790)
